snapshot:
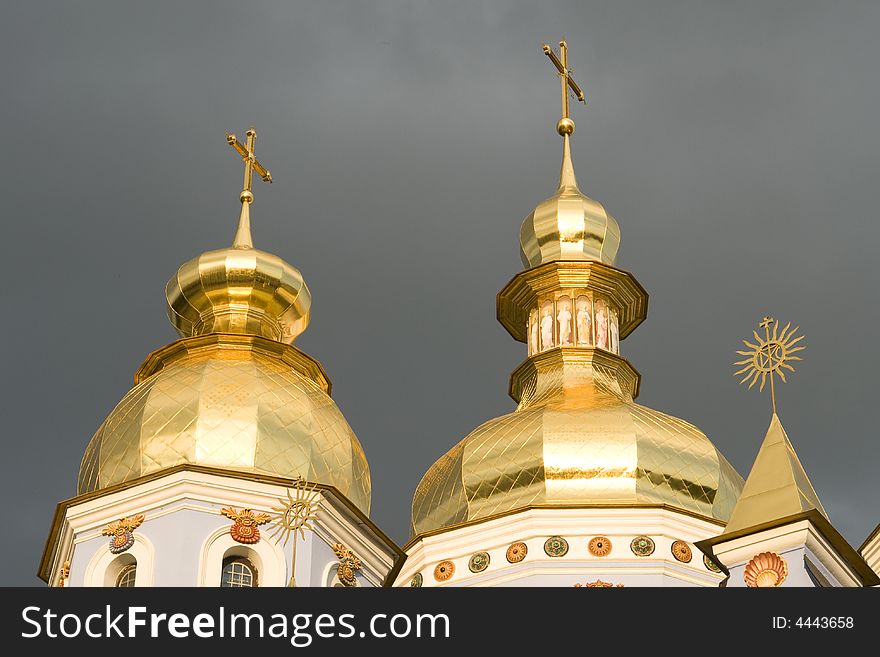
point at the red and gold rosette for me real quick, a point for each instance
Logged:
(244, 526)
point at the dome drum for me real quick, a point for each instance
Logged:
(233, 342)
(529, 290)
(573, 318)
(584, 369)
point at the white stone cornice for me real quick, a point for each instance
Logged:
(577, 525)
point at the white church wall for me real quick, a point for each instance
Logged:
(102, 566)
(797, 543)
(797, 573)
(268, 558)
(184, 537)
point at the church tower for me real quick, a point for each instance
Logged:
(580, 485)
(228, 463)
(779, 534)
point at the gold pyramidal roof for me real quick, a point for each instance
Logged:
(777, 486)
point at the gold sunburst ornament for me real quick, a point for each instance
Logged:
(769, 356)
(295, 515)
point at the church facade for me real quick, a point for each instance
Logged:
(229, 464)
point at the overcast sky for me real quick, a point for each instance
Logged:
(736, 144)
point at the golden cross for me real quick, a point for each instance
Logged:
(561, 64)
(251, 163)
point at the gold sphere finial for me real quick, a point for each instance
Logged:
(246, 196)
(565, 126)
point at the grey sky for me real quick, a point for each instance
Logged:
(735, 143)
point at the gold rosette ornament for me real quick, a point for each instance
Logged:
(348, 565)
(121, 532)
(244, 526)
(765, 570)
(598, 584)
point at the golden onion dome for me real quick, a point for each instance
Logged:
(233, 393)
(569, 225)
(239, 290)
(576, 438)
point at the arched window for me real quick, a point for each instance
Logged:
(126, 577)
(265, 559)
(238, 572)
(122, 572)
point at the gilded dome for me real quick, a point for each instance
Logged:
(569, 225)
(229, 401)
(577, 438)
(239, 290)
(233, 392)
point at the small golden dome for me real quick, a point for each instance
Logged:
(577, 437)
(568, 225)
(229, 401)
(239, 290)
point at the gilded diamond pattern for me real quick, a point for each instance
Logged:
(241, 410)
(576, 437)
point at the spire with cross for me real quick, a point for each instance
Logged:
(565, 125)
(251, 164)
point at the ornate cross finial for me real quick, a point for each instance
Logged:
(769, 355)
(565, 125)
(251, 164)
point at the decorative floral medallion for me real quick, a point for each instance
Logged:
(517, 552)
(598, 584)
(766, 569)
(682, 551)
(444, 570)
(244, 525)
(556, 546)
(599, 546)
(348, 565)
(417, 581)
(64, 574)
(478, 562)
(710, 565)
(642, 546)
(121, 532)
